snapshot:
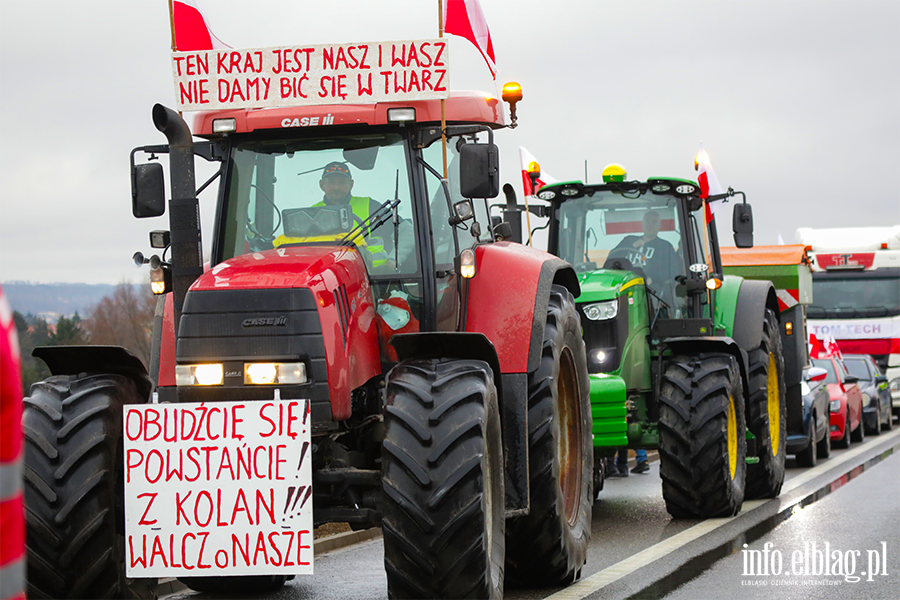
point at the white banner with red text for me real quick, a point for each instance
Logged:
(222, 488)
(306, 75)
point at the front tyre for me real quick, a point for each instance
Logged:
(702, 446)
(442, 475)
(74, 488)
(549, 545)
(807, 456)
(767, 412)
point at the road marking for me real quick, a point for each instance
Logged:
(600, 579)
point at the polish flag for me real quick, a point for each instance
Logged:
(709, 183)
(529, 162)
(191, 31)
(813, 346)
(465, 19)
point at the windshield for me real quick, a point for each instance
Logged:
(857, 366)
(855, 295)
(625, 231)
(824, 363)
(301, 192)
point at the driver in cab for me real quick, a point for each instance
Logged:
(336, 184)
(654, 255)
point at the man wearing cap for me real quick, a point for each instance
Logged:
(336, 184)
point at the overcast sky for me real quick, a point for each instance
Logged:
(796, 102)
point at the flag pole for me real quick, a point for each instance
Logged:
(172, 24)
(443, 112)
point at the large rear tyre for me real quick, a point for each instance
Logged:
(767, 413)
(549, 545)
(702, 446)
(442, 474)
(74, 488)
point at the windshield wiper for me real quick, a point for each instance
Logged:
(373, 222)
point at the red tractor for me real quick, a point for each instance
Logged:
(444, 367)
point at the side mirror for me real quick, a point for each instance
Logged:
(148, 190)
(742, 223)
(851, 379)
(816, 374)
(479, 171)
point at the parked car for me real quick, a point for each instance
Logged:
(876, 396)
(814, 440)
(846, 401)
(895, 395)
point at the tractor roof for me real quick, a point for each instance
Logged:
(567, 190)
(460, 107)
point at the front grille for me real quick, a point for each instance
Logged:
(233, 326)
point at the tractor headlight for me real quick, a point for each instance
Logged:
(602, 311)
(274, 373)
(202, 374)
(602, 355)
(835, 405)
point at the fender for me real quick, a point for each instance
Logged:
(715, 344)
(507, 300)
(72, 360)
(512, 394)
(752, 300)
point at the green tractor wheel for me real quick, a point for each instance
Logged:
(702, 446)
(767, 413)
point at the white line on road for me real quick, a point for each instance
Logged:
(600, 579)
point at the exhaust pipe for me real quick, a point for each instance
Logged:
(184, 208)
(512, 214)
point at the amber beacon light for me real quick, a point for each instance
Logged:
(512, 94)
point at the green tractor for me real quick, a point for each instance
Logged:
(682, 358)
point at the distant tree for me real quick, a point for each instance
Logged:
(124, 319)
(33, 332)
(69, 332)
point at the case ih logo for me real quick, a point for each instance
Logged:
(265, 322)
(860, 260)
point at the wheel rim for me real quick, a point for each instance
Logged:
(732, 437)
(774, 406)
(568, 442)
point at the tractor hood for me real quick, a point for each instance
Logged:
(285, 268)
(605, 284)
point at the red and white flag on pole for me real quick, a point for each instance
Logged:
(191, 31)
(709, 183)
(465, 19)
(529, 164)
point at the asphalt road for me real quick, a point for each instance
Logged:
(850, 500)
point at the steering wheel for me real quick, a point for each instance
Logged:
(618, 260)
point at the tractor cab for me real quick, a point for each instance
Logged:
(653, 231)
(368, 180)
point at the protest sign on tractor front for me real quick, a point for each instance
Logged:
(306, 75)
(218, 489)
